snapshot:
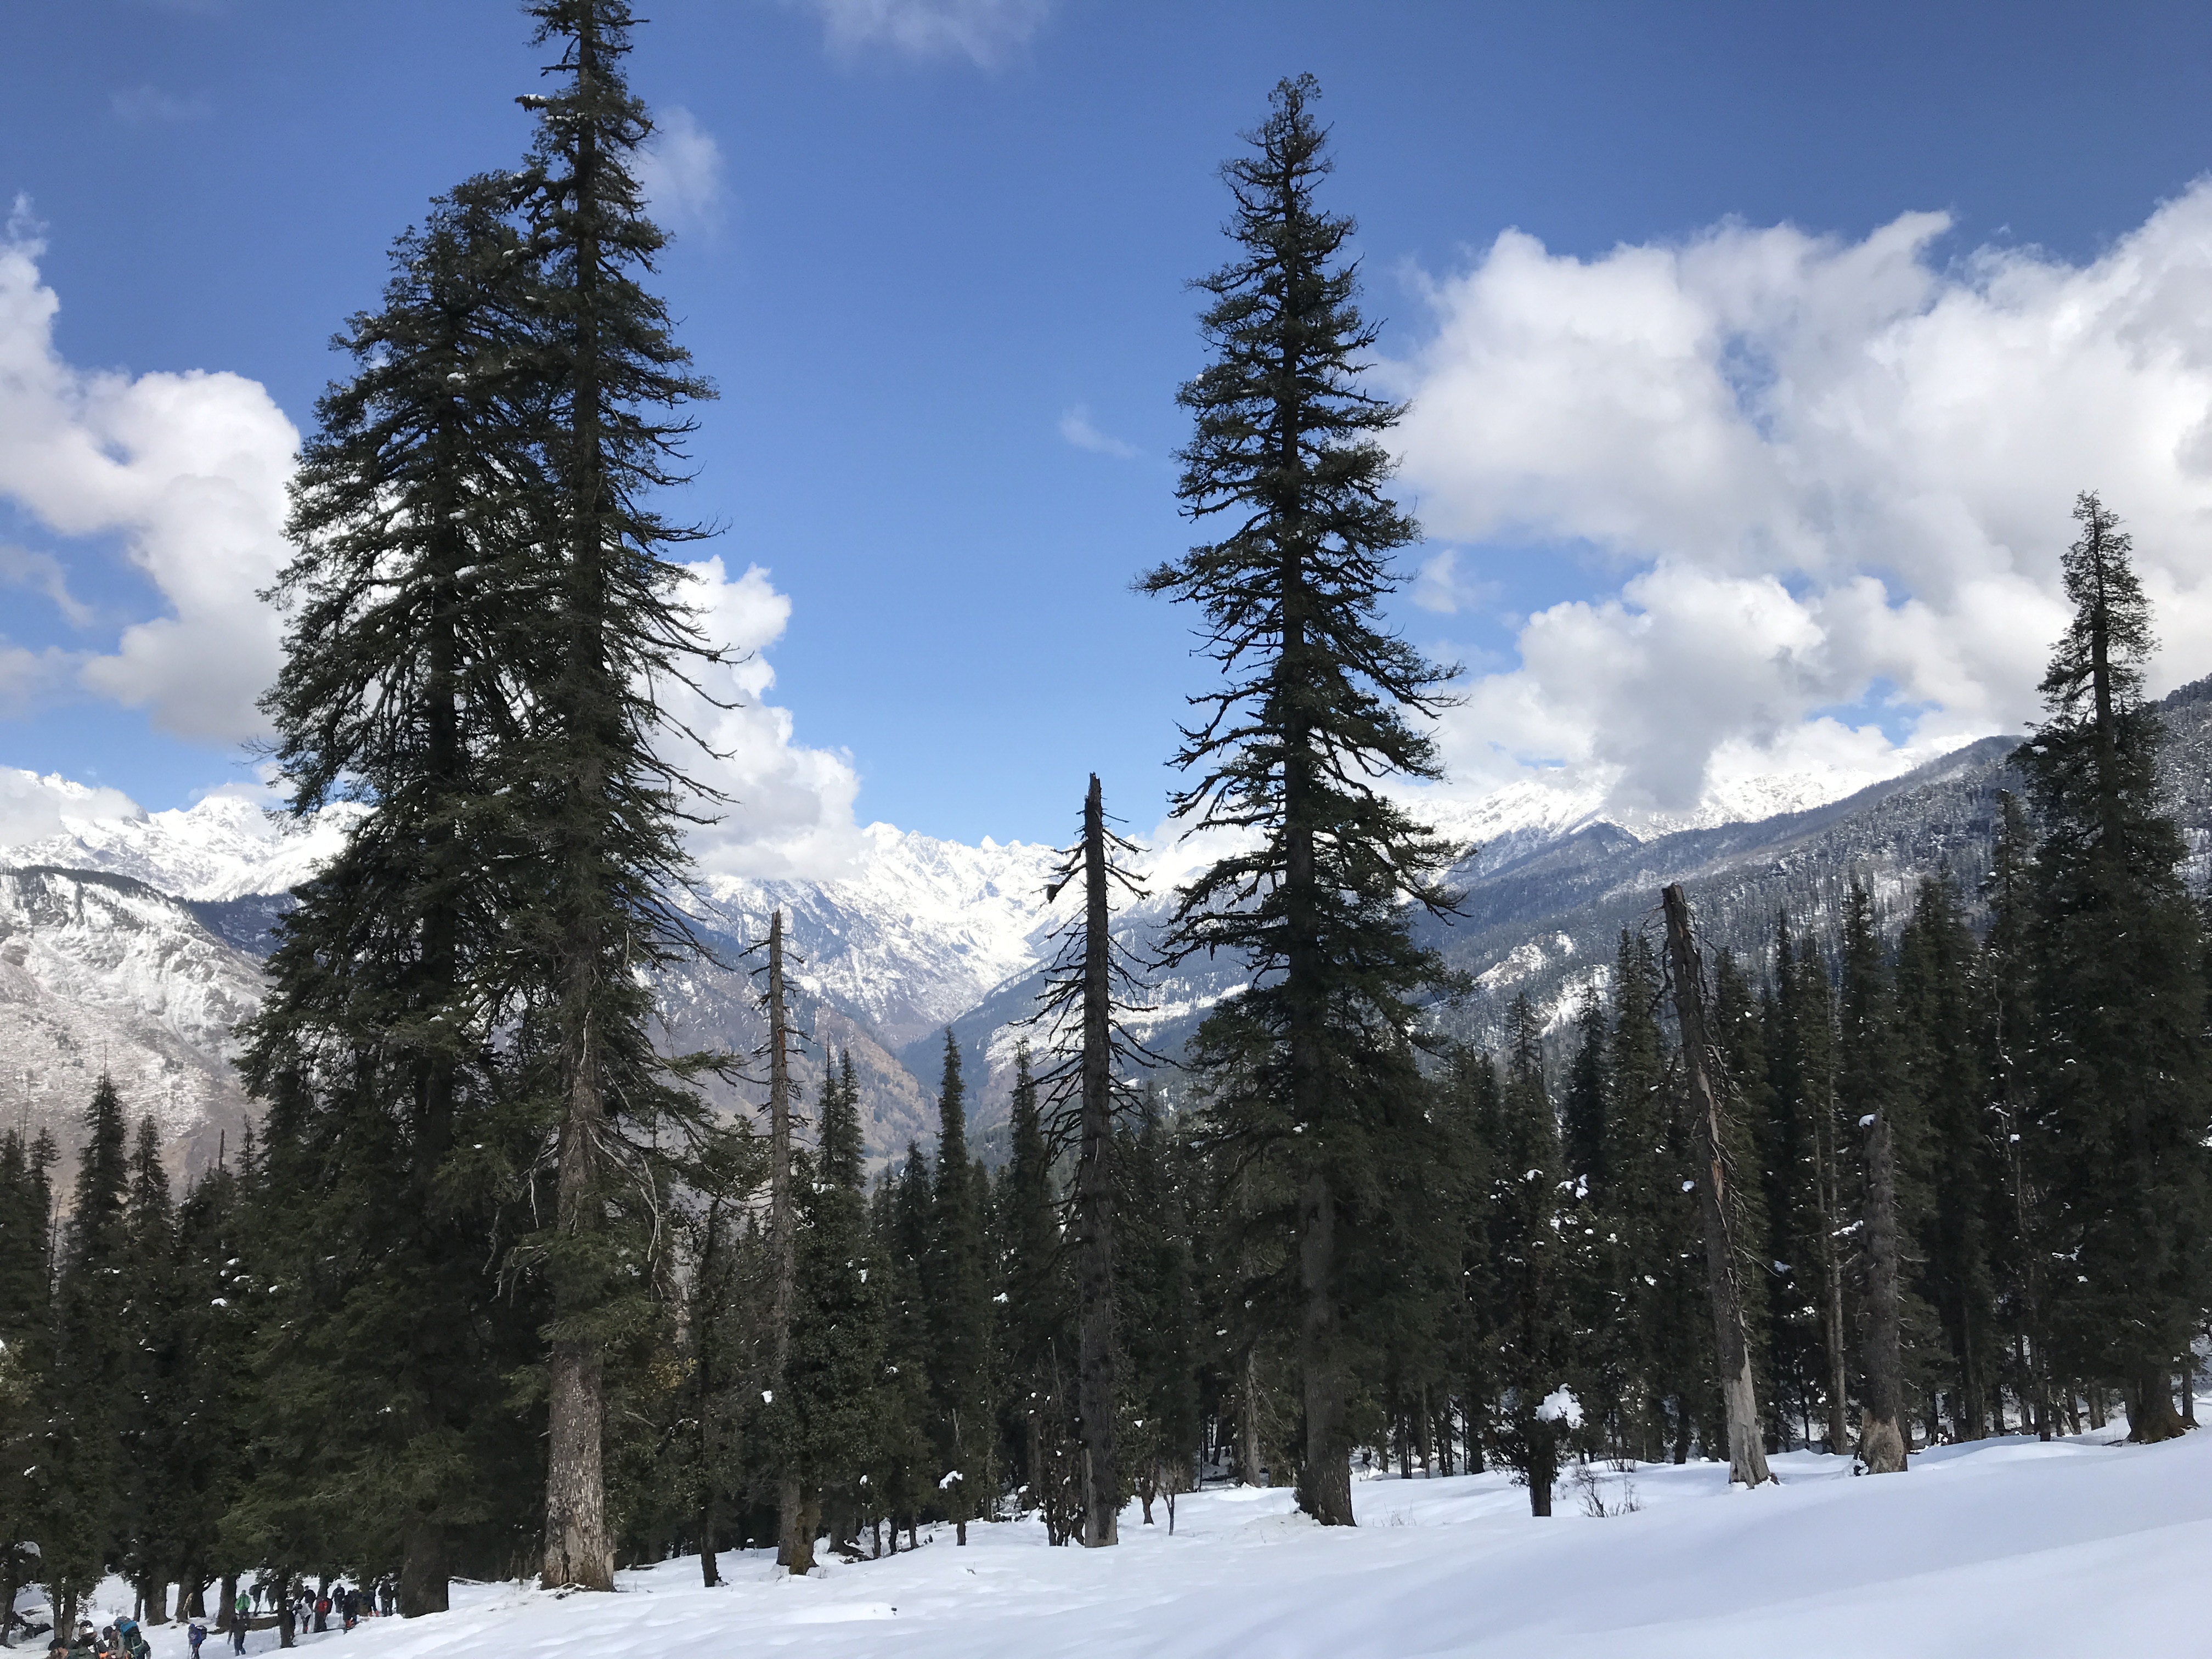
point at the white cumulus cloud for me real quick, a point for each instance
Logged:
(680, 170)
(187, 470)
(791, 807)
(982, 31)
(1827, 470)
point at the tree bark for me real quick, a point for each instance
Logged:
(423, 1579)
(1724, 1287)
(1325, 1478)
(1094, 1201)
(2151, 1415)
(1247, 1422)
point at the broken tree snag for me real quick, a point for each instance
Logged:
(1731, 1342)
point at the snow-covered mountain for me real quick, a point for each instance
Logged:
(917, 935)
(101, 972)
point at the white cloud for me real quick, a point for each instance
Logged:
(1832, 467)
(1076, 427)
(792, 814)
(680, 170)
(149, 106)
(35, 808)
(983, 31)
(1441, 585)
(188, 470)
(20, 566)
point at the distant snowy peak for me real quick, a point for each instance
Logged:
(917, 933)
(223, 847)
(1527, 815)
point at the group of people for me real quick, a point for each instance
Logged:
(123, 1639)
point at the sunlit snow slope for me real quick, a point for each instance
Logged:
(2004, 1550)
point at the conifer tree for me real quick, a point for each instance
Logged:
(1788, 1171)
(2122, 1080)
(1869, 1090)
(604, 798)
(836, 1356)
(1529, 1249)
(1808, 1099)
(1650, 1348)
(413, 606)
(2007, 1026)
(1320, 702)
(1582, 1105)
(153, 1402)
(210, 1439)
(1942, 1065)
(1470, 1111)
(1039, 1316)
(906, 1472)
(95, 1359)
(27, 1352)
(956, 1279)
(1157, 1292)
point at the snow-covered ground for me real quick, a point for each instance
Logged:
(2078, 1548)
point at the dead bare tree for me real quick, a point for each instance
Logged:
(1090, 985)
(1706, 1076)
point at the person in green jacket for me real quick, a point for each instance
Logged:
(239, 1615)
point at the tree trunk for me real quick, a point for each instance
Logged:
(2151, 1415)
(424, 1585)
(1881, 1433)
(1247, 1422)
(577, 1552)
(1724, 1288)
(710, 1562)
(1096, 1401)
(226, 1617)
(799, 1515)
(1543, 1467)
(1325, 1477)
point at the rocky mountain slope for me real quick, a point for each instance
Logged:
(132, 941)
(101, 972)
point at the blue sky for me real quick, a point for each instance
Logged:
(927, 256)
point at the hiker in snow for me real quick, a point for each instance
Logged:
(384, 1596)
(322, 1612)
(134, 1641)
(348, 1607)
(195, 1633)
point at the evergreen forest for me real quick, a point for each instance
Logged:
(491, 1290)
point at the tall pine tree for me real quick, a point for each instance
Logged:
(606, 799)
(1302, 1070)
(2125, 1097)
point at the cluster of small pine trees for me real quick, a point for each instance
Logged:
(494, 1291)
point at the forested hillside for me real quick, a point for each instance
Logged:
(586, 1211)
